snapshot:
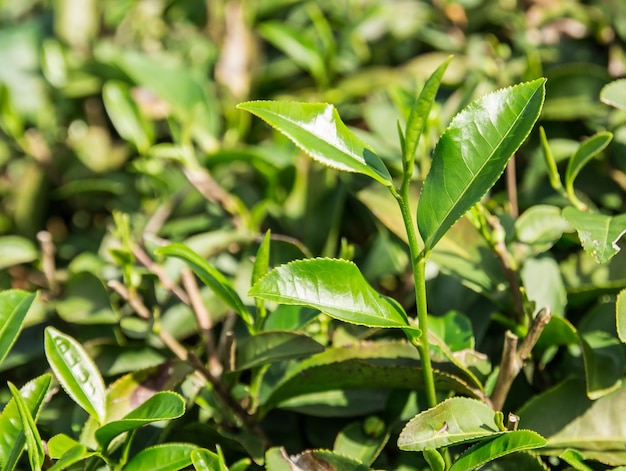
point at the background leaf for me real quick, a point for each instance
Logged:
(318, 130)
(598, 233)
(166, 457)
(335, 287)
(587, 151)
(620, 315)
(76, 372)
(614, 94)
(477, 145)
(15, 250)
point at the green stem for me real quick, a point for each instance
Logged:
(418, 261)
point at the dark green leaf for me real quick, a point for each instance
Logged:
(164, 405)
(472, 154)
(33, 440)
(434, 459)
(587, 151)
(166, 457)
(489, 450)
(453, 421)
(14, 306)
(272, 346)
(13, 438)
(318, 130)
(76, 372)
(335, 287)
(86, 301)
(354, 441)
(598, 233)
(209, 276)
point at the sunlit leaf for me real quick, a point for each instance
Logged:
(272, 346)
(33, 440)
(318, 130)
(13, 438)
(587, 151)
(620, 315)
(15, 250)
(614, 94)
(335, 287)
(598, 233)
(164, 405)
(277, 459)
(76, 372)
(166, 457)
(205, 460)
(453, 421)
(210, 276)
(505, 444)
(472, 154)
(434, 459)
(541, 226)
(14, 306)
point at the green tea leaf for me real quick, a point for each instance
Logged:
(318, 130)
(128, 120)
(620, 315)
(164, 405)
(604, 362)
(587, 151)
(354, 441)
(13, 438)
(277, 459)
(453, 421)
(15, 250)
(76, 372)
(210, 276)
(434, 459)
(166, 457)
(70, 456)
(543, 283)
(259, 269)
(14, 306)
(272, 346)
(575, 460)
(614, 94)
(472, 154)
(505, 444)
(553, 171)
(541, 226)
(33, 440)
(598, 233)
(335, 287)
(419, 114)
(60, 444)
(205, 460)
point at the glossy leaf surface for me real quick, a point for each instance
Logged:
(587, 151)
(318, 130)
(164, 405)
(505, 444)
(13, 438)
(31, 434)
(76, 372)
(272, 346)
(210, 276)
(205, 460)
(456, 420)
(167, 457)
(335, 287)
(472, 154)
(14, 306)
(598, 233)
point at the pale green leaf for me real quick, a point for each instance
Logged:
(354, 441)
(620, 315)
(14, 306)
(541, 226)
(318, 130)
(71, 456)
(205, 460)
(472, 154)
(419, 114)
(164, 405)
(272, 346)
(15, 250)
(166, 457)
(614, 94)
(453, 421)
(60, 444)
(587, 151)
(76, 372)
(33, 440)
(575, 460)
(505, 444)
(210, 276)
(553, 171)
(598, 233)
(277, 459)
(335, 287)
(543, 284)
(434, 459)
(125, 115)
(13, 438)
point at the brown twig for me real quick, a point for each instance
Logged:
(155, 268)
(48, 265)
(513, 357)
(511, 187)
(205, 323)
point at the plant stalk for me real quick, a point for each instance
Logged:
(418, 261)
